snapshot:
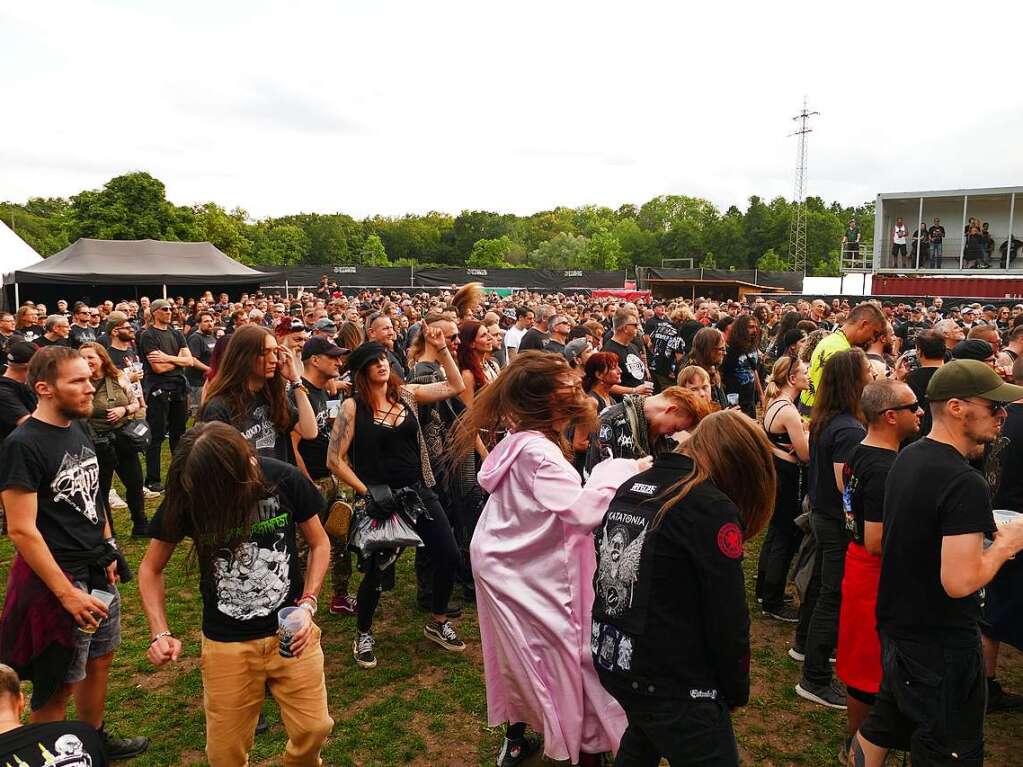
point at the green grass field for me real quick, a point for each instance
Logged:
(424, 706)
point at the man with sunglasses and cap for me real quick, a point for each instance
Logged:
(321, 364)
(165, 357)
(937, 512)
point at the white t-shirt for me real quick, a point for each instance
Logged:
(513, 337)
(900, 235)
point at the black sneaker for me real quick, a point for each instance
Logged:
(362, 649)
(1000, 700)
(829, 695)
(154, 487)
(517, 750)
(797, 654)
(444, 635)
(122, 748)
(261, 724)
(785, 614)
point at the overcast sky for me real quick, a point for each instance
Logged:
(381, 107)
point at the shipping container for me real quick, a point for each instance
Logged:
(965, 287)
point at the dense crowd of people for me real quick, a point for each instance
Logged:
(587, 473)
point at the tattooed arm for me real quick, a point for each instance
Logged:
(340, 441)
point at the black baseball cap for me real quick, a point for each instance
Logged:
(20, 352)
(961, 379)
(972, 349)
(321, 345)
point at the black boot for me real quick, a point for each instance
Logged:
(122, 748)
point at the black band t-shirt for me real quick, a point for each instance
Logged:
(865, 475)
(629, 360)
(834, 444)
(314, 451)
(931, 492)
(17, 400)
(80, 335)
(254, 424)
(53, 744)
(242, 590)
(201, 346)
(59, 464)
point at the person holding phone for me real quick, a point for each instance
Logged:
(248, 391)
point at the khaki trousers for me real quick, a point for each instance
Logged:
(233, 677)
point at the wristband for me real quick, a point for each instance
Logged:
(160, 636)
(112, 541)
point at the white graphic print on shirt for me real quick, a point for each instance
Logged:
(77, 483)
(619, 567)
(261, 435)
(253, 580)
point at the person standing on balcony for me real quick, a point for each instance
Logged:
(851, 241)
(899, 233)
(937, 235)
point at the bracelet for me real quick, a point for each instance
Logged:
(160, 636)
(308, 595)
(300, 387)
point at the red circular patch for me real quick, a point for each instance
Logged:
(730, 540)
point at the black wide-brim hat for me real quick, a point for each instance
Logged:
(371, 351)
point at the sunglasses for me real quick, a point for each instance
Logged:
(911, 406)
(992, 407)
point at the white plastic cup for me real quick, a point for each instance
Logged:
(289, 621)
(106, 598)
(733, 399)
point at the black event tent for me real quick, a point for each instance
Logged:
(95, 270)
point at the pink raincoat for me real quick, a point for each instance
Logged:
(533, 561)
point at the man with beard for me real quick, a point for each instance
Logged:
(200, 344)
(321, 364)
(937, 511)
(380, 328)
(49, 479)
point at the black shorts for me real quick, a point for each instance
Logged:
(931, 702)
(899, 250)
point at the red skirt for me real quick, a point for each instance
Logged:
(859, 650)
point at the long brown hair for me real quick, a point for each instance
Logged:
(361, 386)
(730, 450)
(468, 358)
(231, 381)
(530, 394)
(214, 485)
(705, 342)
(842, 382)
(106, 365)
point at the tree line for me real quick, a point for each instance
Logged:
(135, 206)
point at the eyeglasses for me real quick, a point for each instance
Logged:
(992, 407)
(910, 406)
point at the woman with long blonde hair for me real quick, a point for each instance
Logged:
(790, 446)
(670, 637)
(533, 561)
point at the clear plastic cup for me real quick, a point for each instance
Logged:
(733, 399)
(106, 598)
(289, 621)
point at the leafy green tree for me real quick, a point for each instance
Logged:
(771, 262)
(709, 262)
(130, 207)
(493, 254)
(225, 230)
(639, 247)
(280, 245)
(603, 251)
(373, 252)
(563, 251)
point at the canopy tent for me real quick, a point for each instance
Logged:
(102, 268)
(15, 253)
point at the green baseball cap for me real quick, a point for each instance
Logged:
(962, 379)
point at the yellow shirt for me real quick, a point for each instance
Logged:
(829, 345)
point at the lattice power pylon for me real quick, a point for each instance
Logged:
(797, 228)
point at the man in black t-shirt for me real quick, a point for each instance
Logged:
(56, 332)
(892, 413)
(907, 332)
(667, 348)
(536, 337)
(243, 533)
(17, 400)
(321, 364)
(623, 344)
(165, 357)
(49, 478)
(81, 331)
(7, 336)
(937, 512)
(53, 744)
(200, 344)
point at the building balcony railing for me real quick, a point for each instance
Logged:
(952, 255)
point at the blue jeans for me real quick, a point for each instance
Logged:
(936, 254)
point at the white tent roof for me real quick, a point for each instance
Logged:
(15, 253)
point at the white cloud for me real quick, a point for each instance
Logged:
(406, 107)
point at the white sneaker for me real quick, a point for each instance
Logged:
(115, 501)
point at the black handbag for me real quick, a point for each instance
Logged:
(137, 434)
